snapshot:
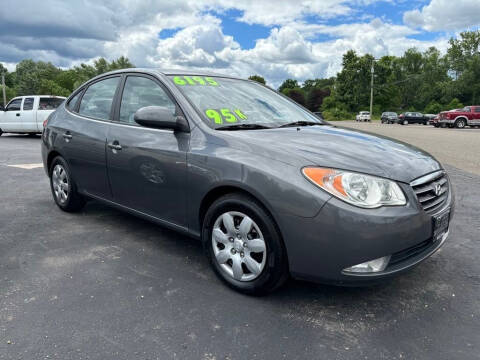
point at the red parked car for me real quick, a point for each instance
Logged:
(459, 118)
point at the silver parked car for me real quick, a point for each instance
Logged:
(269, 188)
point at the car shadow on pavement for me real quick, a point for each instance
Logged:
(161, 240)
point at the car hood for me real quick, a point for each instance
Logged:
(341, 148)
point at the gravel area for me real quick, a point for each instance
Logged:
(455, 147)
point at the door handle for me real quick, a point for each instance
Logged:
(18, 114)
(115, 146)
(67, 136)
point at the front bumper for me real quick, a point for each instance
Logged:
(446, 121)
(341, 235)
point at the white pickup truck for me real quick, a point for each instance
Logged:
(26, 114)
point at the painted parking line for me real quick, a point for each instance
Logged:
(27, 166)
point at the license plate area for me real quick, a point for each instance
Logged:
(440, 224)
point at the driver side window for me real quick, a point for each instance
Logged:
(141, 92)
(14, 105)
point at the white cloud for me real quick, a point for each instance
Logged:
(285, 11)
(194, 46)
(67, 33)
(445, 15)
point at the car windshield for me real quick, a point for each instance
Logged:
(224, 102)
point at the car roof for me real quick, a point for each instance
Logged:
(47, 96)
(170, 72)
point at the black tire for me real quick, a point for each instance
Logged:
(275, 271)
(74, 201)
(460, 123)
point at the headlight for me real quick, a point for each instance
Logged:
(357, 189)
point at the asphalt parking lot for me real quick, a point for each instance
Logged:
(102, 284)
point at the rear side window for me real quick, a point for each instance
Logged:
(49, 103)
(14, 105)
(477, 109)
(72, 104)
(97, 100)
(141, 92)
(28, 104)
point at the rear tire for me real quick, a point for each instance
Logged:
(229, 247)
(64, 189)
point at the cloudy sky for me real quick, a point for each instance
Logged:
(276, 39)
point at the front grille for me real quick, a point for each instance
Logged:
(406, 254)
(431, 190)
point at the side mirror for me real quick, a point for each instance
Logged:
(160, 117)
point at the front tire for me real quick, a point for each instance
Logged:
(460, 123)
(63, 187)
(244, 245)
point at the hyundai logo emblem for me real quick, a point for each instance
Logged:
(438, 189)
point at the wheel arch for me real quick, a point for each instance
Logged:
(52, 155)
(220, 190)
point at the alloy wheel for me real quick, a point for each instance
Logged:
(239, 246)
(60, 183)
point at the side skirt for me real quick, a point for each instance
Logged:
(167, 224)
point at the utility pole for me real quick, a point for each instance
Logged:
(371, 91)
(3, 87)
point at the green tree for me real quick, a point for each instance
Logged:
(288, 84)
(258, 79)
(433, 108)
(297, 94)
(121, 63)
(314, 99)
(50, 87)
(29, 74)
(454, 104)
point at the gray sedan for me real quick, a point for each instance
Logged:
(270, 189)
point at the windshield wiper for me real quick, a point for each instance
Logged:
(242, 127)
(300, 123)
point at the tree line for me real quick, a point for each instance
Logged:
(43, 78)
(426, 81)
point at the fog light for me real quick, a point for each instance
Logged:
(370, 266)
